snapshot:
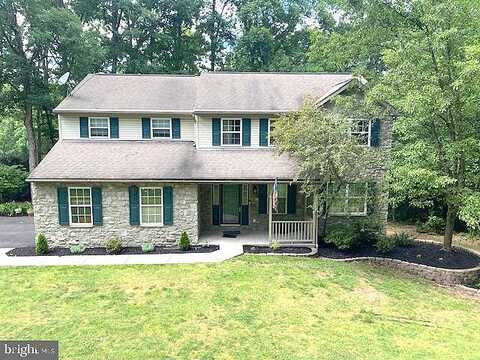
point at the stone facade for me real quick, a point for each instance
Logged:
(116, 223)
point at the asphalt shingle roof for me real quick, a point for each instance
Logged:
(118, 160)
(209, 92)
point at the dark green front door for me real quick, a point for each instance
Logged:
(231, 204)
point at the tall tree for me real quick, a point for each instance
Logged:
(38, 40)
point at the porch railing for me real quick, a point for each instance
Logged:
(293, 232)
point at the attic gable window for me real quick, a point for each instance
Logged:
(161, 128)
(99, 127)
(361, 130)
(231, 131)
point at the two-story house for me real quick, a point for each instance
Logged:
(145, 157)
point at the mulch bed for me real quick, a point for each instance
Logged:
(252, 249)
(129, 250)
(420, 253)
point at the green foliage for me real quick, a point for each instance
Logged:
(434, 224)
(275, 245)
(385, 244)
(403, 239)
(113, 246)
(41, 245)
(184, 242)
(13, 142)
(342, 236)
(148, 247)
(77, 249)
(16, 208)
(12, 182)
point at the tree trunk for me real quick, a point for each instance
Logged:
(213, 40)
(31, 140)
(451, 216)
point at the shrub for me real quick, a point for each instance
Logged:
(113, 246)
(41, 245)
(275, 245)
(15, 208)
(184, 242)
(385, 244)
(403, 239)
(12, 182)
(342, 236)
(434, 224)
(77, 249)
(147, 248)
(367, 230)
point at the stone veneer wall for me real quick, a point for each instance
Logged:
(257, 222)
(116, 223)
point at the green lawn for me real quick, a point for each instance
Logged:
(250, 307)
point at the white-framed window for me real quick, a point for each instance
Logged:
(271, 126)
(151, 206)
(99, 127)
(282, 199)
(80, 206)
(361, 130)
(231, 132)
(161, 128)
(351, 200)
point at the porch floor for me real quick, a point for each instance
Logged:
(246, 237)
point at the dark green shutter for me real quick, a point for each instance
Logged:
(84, 127)
(146, 128)
(246, 130)
(216, 132)
(114, 127)
(375, 133)
(134, 201)
(216, 214)
(167, 205)
(262, 198)
(97, 206)
(292, 199)
(62, 199)
(263, 141)
(176, 130)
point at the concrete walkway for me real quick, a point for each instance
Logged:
(228, 250)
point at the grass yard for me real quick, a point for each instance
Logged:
(250, 307)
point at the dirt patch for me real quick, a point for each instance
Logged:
(424, 253)
(130, 250)
(251, 249)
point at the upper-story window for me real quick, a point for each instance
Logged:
(271, 126)
(99, 127)
(161, 128)
(361, 130)
(231, 131)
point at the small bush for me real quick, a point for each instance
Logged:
(14, 208)
(275, 245)
(184, 242)
(148, 248)
(342, 236)
(403, 239)
(77, 249)
(113, 246)
(41, 245)
(434, 224)
(386, 244)
(367, 231)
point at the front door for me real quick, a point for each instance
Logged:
(231, 204)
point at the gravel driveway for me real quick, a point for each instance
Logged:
(16, 231)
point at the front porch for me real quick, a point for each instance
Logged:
(247, 211)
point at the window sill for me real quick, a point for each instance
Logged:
(151, 225)
(80, 226)
(348, 214)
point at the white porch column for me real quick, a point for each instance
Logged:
(269, 215)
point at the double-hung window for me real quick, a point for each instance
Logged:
(360, 130)
(80, 200)
(99, 127)
(282, 190)
(351, 199)
(271, 126)
(151, 206)
(231, 131)
(161, 128)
